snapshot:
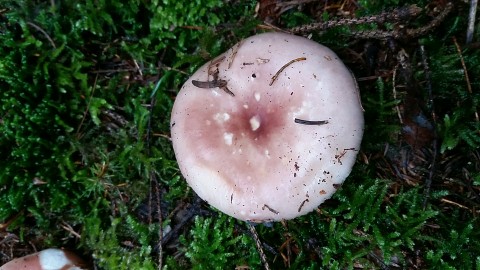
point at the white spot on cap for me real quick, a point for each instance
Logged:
(257, 96)
(262, 60)
(255, 122)
(245, 106)
(228, 138)
(221, 117)
(54, 259)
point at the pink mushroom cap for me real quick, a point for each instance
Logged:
(48, 259)
(269, 129)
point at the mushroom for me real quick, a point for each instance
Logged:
(269, 129)
(48, 259)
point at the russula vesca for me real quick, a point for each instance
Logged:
(269, 129)
(48, 259)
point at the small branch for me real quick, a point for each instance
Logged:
(88, 106)
(69, 229)
(209, 84)
(160, 220)
(136, 70)
(398, 14)
(311, 123)
(286, 245)
(294, 3)
(397, 108)
(407, 33)
(433, 166)
(234, 53)
(270, 209)
(4, 226)
(471, 20)
(269, 26)
(413, 33)
(154, 188)
(465, 71)
(43, 32)
(455, 203)
(254, 233)
(165, 136)
(284, 67)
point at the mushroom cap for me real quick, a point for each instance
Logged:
(235, 134)
(48, 259)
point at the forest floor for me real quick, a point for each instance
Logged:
(87, 162)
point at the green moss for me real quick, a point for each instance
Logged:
(80, 141)
(215, 244)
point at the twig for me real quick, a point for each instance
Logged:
(162, 136)
(467, 78)
(379, 261)
(397, 108)
(431, 173)
(293, 3)
(209, 84)
(270, 209)
(234, 53)
(398, 14)
(254, 233)
(310, 123)
(4, 226)
(135, 69)
(186, 218)
(284, 67)
(286, 244)
(138, 67)
(471, 20)
(215, 62)
(412, 33)
(160, 219)
(154, 184)
(69, 229)
(269, 26)
(374, 77)
(408, 33)
(88, 105)
(454, 203)
(43, 32)
(9, 237)
(191, 210)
